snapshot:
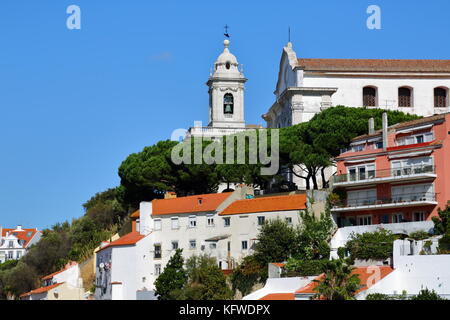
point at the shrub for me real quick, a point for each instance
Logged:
(303, 268)
(426, 294)
(247, 274)
(376, 245)
(444, 243)
(419, 235)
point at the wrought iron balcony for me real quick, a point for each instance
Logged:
(406, 173)
(401, 200)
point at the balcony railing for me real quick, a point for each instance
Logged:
(387, 173)
(397, 199)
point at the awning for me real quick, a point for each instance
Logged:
(217, 238)
(410, 154)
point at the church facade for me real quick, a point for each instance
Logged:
(307, 86)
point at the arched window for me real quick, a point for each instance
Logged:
(440, 98)
(228, 103)
(369, 96)
(404, 97)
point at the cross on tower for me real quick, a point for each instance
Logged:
(226, 31)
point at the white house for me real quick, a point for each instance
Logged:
(65, 284)
(223, 225)
(14, 243)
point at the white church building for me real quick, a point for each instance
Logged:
(307, 86)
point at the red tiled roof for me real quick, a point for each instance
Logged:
(363, 274)
(279, 296)
(127, 240)
(190, 204)
(374, 65)
(280, 265)
(21, 235)
(267, 204)
(41, 289)
(135, 215)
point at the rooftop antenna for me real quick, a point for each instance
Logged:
(226, 31)
(289, 33)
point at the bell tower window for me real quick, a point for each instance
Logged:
(227, 65)
(228, 103)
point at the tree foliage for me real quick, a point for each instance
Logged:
(338, 282)
(376, 245)
(205, 281)
(172, 280)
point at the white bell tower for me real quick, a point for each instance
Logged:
(226, 92)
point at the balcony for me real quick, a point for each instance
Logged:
(397, 201)
(384, 176)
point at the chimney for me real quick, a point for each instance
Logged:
(145, 219)
(371, 126)
(385, 131)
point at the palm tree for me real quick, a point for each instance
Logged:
(337, 282)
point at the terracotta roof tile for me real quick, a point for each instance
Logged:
(127, 240)
(363, 273)
(267, 204)
(41, 289)
(135, 215)
(374, 65)
(190, 204)
(279, 296)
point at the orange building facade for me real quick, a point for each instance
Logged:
(398, 174)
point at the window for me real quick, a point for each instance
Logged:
(10, 244)
(213, 245)
(175, 223)
(404, 97)
(192, 244)
(10, 254)
(379, 145)
(18, 254)
(419, 216)
(364, 220)
(412, 166)
(157, 269)
(157, 224)
(369, 97)
(174, 245)
(226, 222)
(157, 251)
(244, 245)
(440, 98)
(228, 103)
(417, 192)
(361, 197)
(415, 139)
(228, 246)
(210, 220)
(363, 172)
(289, 220)
(261, 220)
(192, 221)
(397, 218)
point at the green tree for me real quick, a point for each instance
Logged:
(248, 273)
(376, 245)
(426, 294)
(313, 235)
(172, 279)
(338, 282)
(275, 242)
(442, 221)
(205, 281)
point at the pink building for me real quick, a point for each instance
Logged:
(398, 174)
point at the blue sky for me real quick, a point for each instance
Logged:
(75, 103)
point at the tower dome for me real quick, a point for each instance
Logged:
(226, 64)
